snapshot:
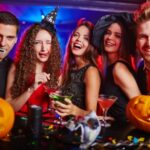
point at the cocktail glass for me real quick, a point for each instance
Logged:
(105, 102)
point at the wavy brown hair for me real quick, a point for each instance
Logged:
(25, 62)
(90, 54)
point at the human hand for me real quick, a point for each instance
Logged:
(64, 109)
(40, 78)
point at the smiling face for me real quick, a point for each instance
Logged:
(113, 38)
(42, 45)
(80, 41)
(8, 38)
(143, 40)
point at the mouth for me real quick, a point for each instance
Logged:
(109, 43)
(43, 55)
(77, 46)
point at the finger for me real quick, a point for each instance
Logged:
(48, 76)
(61, 114)
(61, 104)
(68, 101)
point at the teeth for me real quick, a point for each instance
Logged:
(77, 45)
(2, 50)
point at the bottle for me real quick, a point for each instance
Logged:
(34, 124)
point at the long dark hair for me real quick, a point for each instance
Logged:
(90, 54)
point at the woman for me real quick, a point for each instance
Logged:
(111, 36)
(80, 77)
(37, 65)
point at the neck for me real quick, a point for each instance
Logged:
(80, 63)
(39, 67)
(113, 57)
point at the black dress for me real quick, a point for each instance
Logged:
(4, 68)
(76, 87)
(111, 88)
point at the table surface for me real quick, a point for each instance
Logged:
(120, 137)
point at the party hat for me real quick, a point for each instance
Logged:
(49, 21)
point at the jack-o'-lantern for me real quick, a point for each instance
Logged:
(7, 117)
(138, 112)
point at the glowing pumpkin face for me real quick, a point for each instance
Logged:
(138, 112)
(7, 117)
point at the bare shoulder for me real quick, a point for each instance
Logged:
(120, 68)
(92, 71)
(92, 74)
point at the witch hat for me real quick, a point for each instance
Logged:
(49, 21)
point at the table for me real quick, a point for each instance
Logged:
(115, 137)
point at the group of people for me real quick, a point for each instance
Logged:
(37, 67)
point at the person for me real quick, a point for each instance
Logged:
(142, 20)
(36, 66)
(9, 28)
(111, 37)
(80, 76)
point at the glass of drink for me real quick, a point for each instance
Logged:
(105, 102)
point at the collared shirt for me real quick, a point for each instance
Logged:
(147, 71)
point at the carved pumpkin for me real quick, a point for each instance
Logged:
(7, 117)
(138, 112)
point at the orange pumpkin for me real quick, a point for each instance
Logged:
(138, 112)
(7, 117)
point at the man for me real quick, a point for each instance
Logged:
(142, 19)
(9, 26)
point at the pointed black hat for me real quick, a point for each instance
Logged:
(49, 21)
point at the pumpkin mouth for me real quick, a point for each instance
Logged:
(137, 116)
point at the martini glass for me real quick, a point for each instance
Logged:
(105, 102)
(61, 98)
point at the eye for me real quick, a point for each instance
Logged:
(37, 42)
(118, 35)
(86, 38)
(48, 42)
(10, 38)
(141, 36)
(75, 34)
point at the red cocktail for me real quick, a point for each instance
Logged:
(105, 102)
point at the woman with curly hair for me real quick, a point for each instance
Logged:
(37, 66)
(80, 77)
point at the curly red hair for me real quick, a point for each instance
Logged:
(25, 62)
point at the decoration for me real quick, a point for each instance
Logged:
(7, 117)
(138, 112)
(89, 127)
(49, 21)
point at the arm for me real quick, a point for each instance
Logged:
(92, 82)
(18, 102)
(125, 80)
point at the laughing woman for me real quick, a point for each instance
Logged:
(111, 37)
(80, 77)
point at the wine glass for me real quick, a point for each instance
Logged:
(105, 102)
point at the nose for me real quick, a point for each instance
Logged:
(79, 38)
(3, 41)
(110, 36)
(43, 47)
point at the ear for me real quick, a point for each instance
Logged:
(16, 39)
